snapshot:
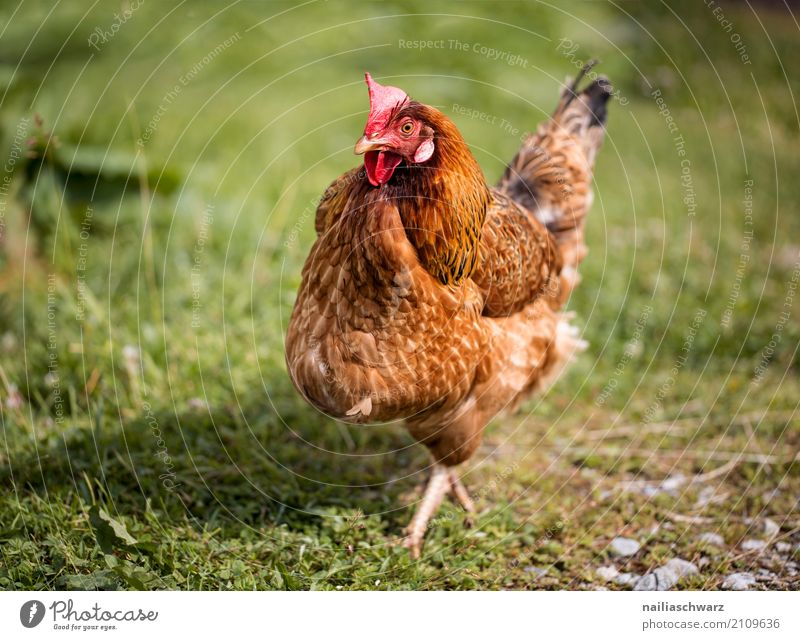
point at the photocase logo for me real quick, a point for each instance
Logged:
(31, 613)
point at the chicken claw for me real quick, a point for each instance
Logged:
(461, 493)
(442, 481)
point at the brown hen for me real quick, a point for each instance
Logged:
(432, 298)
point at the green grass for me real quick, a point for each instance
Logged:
(167, 447)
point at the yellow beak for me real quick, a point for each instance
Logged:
(364, 144)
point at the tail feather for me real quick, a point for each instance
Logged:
(551, 174)
(597, 95)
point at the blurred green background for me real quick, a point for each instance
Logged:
(161, 167)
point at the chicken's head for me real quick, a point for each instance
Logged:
(393, 133)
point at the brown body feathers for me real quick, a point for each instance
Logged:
(434, 298)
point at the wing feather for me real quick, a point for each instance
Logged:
(519, 259)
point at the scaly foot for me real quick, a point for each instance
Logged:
(442, 481)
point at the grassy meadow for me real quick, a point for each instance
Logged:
(160, 169)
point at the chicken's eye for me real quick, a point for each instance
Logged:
(407, 127)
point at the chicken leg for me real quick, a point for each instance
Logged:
(443, 480)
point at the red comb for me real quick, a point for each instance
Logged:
(382, 101)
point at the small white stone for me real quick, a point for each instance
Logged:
(712, 538)
(738, 582)
(626, 579)
(607, 573)
(753, 545)
(673, 483)
(681, 567)
(771, 528)
(665, 577)
(705, 496)
(624, 546)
